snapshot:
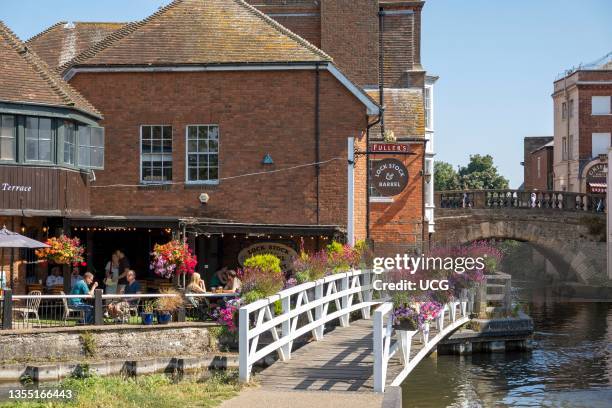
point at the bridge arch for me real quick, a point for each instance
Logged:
(561, 236)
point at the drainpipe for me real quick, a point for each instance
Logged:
(381, 74)
(317, 137)
(367, 155)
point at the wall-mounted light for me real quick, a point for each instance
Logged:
(45, 227)
(22, 228)
(204, 198)
(427, 177)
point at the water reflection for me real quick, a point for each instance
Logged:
(570, 365)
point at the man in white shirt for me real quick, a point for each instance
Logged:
(55, 278)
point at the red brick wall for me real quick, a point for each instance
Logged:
(397, 49)
(532, 181)
(588, 123)
(397, 227)
(257, 113)
(349, 33)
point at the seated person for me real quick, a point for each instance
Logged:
(219, 279)
(121, 308)
(82, 288)
(196, 285)
(55, 278)
(233, 283)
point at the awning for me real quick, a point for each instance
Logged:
(204, 226)
(598, 187)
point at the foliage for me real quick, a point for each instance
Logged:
(148, 307)
(149, 391)
(62, 250)
(479, 174)
(173, 258)
(406, 313)
(445, 177)
(228, 314)
(264, 282)
(89, 343)
(265, 262)
(335, 258)
(169, 304)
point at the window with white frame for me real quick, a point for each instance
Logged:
(539, 162)
(571, 108)
(91, 147)
(156, 153)
(563, 110)
(600, 105)
(7, 138)
(38, 139)
(600, 142)
(203, 153)
(428, 107)
(564, 148)
(69, 143)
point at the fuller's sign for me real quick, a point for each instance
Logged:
(389, 147)
(285, 253)
(389, 177)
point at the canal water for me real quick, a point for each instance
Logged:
(570, 364)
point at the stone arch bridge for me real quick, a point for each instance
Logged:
(567, 228)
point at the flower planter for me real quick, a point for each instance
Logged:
(425, 333)
(405, 325)
(405, 341)
(147, 318)
(164, 318)
(453, 310)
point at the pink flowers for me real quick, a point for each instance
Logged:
(174, 257)
(429, 311)
(226, 316)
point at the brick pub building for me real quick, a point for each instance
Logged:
(230, 122)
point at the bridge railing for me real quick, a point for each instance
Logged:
(297, 311)
(557, 200)
(386, 346)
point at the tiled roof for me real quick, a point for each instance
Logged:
(404, 112)
(63, 41)
(26, 78)
(201, 32)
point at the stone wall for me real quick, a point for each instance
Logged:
(65, 344)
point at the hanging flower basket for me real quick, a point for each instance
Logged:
(173, 258)
(62, 251)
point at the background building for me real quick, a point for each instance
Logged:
(582, 125)
(538, 162)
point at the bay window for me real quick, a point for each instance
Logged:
(69, 143)
(91, 147)
(7, 138)
(38, 139)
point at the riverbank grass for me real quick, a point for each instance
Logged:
(151, 391)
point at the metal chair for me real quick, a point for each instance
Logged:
(31, 307)
(69, 310)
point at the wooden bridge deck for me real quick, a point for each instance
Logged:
(342, 361)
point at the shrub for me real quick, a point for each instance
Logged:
(169, 303)
(265, 262)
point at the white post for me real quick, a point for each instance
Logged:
(319, 310)
(286, 327)
(243, 345)
(608, 211)
(350, 225)
(379, 363)
(344, 285)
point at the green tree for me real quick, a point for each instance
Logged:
(481, 173)
(445, 177)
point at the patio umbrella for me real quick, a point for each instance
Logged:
(9, 239)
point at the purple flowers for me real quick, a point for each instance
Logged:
(429, 311)
(405, 313)
(226, 316)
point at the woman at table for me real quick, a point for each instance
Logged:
(112, 274)
(196, 284)
(233, 283)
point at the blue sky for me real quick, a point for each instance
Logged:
(496, 61)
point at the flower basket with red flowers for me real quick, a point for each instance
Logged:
(62, 250)
(173, 258)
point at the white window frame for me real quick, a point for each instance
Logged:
(206, 182)
(602, 113)
(429, 124)
(564, 150)
(14, 138)
(145, 182)
(90, 147)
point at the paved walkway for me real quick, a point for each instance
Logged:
(267, 398)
